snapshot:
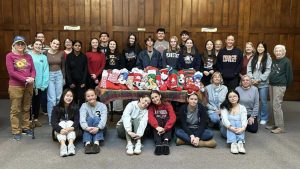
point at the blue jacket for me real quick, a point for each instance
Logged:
(144, 60)
(41, 66)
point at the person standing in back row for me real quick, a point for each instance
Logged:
(104, 39)
(281, 77)
(76, 70)
(229, 63)
(149, 56)
(161, 44)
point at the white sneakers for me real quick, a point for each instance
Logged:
(234, 149)
(71, 150)
(129, 148)
(63, 151)
(137, 149)
(67, 150)
(237, 148)
(263, 122)
(240, 147)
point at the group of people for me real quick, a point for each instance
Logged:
(235, 82)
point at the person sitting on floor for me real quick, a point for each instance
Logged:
(133, 124)
(162, 118)
(65, 122)
(93, 117)
(234, 118)
(193, 117)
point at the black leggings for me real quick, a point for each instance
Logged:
(254, 127)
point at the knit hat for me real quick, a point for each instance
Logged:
(18, 39)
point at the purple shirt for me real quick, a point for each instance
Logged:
(19, 67)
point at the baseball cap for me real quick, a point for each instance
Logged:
(19, 39)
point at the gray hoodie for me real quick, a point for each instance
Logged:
(86, 110)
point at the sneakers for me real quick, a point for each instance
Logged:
(71, 150)
(37, 123)
(277, 131)
(27, 132)
(129, 149)
(63, 151)
(240, 147)
(179, 142)
(88, 149)
(210, 143)
(138, 148)
(96, 148)
(165, 148)
(158, 149)
(263, 122)
(234, 148)
(17, 137)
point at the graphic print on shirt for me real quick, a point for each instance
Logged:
(276, 68)
(160, 48)
(209, 63)
(172, 55)
(230, 58)
(112, 60)
(130, 56)
(21, 64)
(162, 114)
(188, 59)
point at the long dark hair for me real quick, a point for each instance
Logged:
(263, 60)
(71, 109)
(157, 92)
(193, 52)
(135, 46)
(212, 55)
(226, 104)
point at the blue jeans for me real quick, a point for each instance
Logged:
(231, 136)
(214, 117)
(54, 90)
(88, 137)
(206, 135)
(263, 95)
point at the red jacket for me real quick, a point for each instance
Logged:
(161, 111)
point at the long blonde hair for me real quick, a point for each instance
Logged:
(177, 45)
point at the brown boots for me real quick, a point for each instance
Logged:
(210, 143)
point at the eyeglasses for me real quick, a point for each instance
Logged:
(20, 44)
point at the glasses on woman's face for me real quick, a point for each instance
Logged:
(20, 44)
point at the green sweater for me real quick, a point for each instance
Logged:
(281, 72)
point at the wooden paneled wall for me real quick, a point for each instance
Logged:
(273, 21)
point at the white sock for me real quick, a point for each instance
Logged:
(87, 143)
(96, 142)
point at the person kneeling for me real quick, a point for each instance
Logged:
(65, 121)
(193, 117)
(93, 117)
(133, 123)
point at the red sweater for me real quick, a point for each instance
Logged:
(96, 62)
(161, 111)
